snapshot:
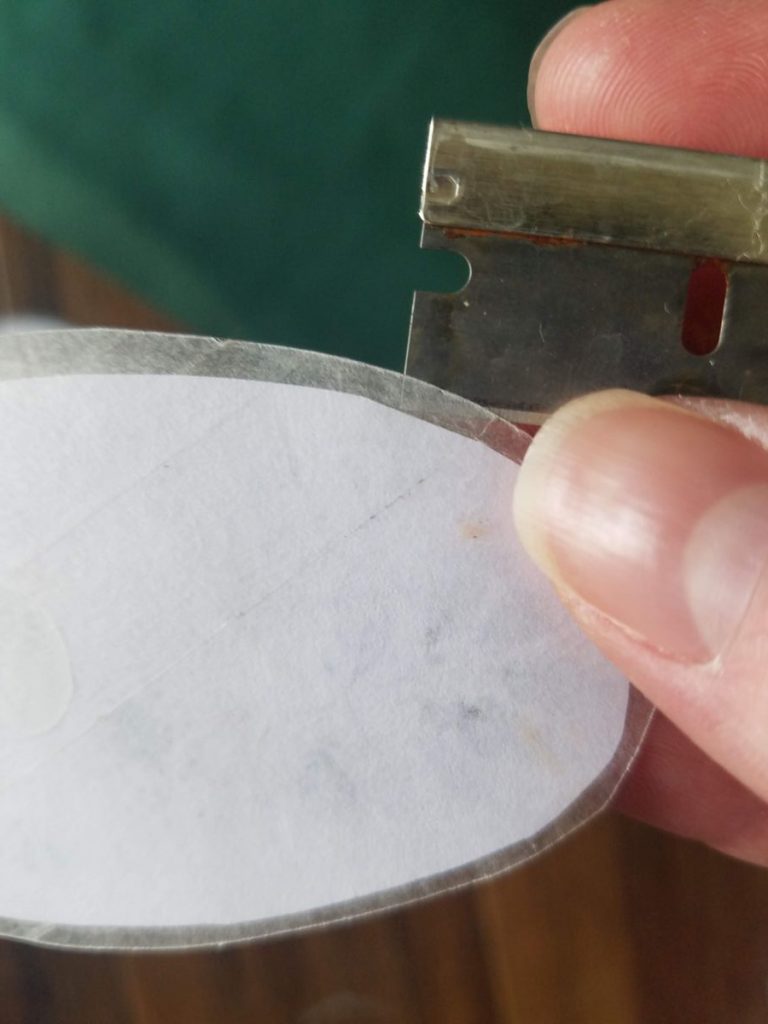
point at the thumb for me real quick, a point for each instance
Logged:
(651, 519)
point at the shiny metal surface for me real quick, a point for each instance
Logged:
(581, 254)
(596, 190)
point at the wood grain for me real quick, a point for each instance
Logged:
(618, 925)
(39, 278)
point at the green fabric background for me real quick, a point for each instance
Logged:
(252, 167)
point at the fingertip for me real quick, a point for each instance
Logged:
(651, 513)
(539, 54)
(533, 491)
(650, 520)
(688, 73)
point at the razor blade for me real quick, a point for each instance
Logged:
(593, 264)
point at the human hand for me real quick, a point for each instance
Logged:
(651, 518)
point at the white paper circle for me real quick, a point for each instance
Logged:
(311, 662)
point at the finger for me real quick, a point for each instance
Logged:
(675, 786)
(690, 73)
(652, 522)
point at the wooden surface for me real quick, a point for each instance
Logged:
(618, 925)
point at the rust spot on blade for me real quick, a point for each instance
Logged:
(535, 239)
